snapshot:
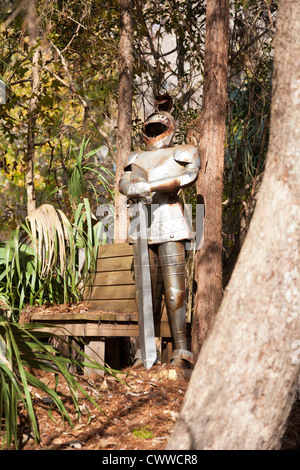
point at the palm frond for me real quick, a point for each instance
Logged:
(79, 183)
(42, 261)
(23, 348)
(50, 232)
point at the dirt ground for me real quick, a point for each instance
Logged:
(139, 409)
(140, 414)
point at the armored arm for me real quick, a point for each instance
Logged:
(131, 185)
(125, 182)
(132, 188)
(189, 163)
(188, 157)
(188, 177)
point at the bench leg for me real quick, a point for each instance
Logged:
(95, 349)
(166, 350)
(112, 352)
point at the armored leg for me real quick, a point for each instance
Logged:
(172, 260)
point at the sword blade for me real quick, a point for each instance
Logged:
(146, 321)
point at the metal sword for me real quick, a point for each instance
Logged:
(146, 320)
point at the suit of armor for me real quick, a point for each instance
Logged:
(158, 174)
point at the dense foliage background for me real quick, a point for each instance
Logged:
(76, 96)
(58, 126)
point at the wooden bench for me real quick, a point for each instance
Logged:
(113, 312)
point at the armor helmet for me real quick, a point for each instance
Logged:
(158, 130)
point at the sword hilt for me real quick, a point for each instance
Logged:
(144, 200)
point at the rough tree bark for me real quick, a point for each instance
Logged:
(32, 23)
(244, 382)
(124, 113)
(208, 263)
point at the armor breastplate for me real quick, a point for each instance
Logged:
(157, 164)
(167, 221)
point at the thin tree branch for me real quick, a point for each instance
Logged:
(72, 87)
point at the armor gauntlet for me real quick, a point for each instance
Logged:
(132, 185)
(133, 189)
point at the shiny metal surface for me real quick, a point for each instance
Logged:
(159, 173)
(144, 294)
(158, 130)
(172, 261)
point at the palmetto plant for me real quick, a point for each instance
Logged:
(22, 350)
(41, 261)
(86, 174)
(48, 259)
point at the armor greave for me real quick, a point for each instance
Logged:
(172, 261)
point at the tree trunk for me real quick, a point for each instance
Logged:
(32, 21)
(244, 382)
(124, 113)
(208, 264)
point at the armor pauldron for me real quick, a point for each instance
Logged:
(187, 154)
(131, 159)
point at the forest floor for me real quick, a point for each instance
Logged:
(138, 411)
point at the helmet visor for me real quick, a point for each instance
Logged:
(157, 128)
(154, 129)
